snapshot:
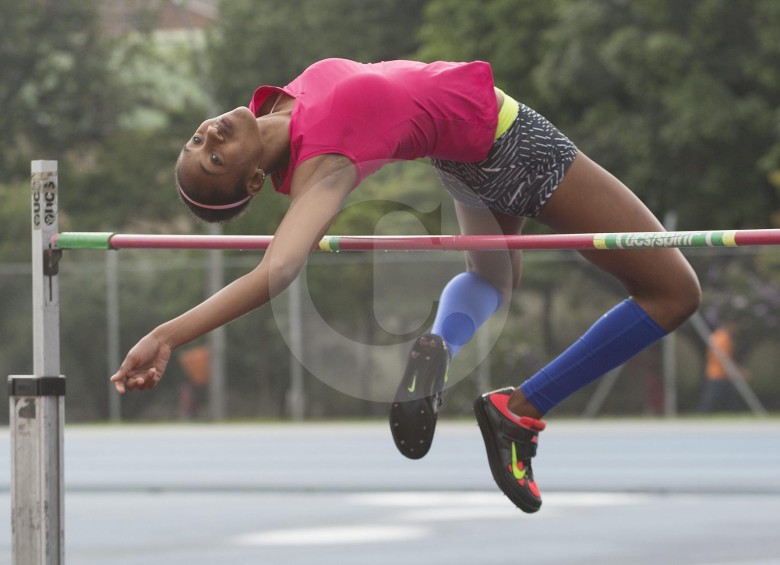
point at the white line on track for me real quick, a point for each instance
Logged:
(336, 535)
(417, 511)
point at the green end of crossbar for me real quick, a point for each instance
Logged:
(84, 240)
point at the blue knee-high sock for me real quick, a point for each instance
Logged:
(466, 303)
(616, 337)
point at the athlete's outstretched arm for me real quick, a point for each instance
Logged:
(319, 188)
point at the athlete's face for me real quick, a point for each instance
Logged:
(222, 151)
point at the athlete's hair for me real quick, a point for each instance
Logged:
(197, 199)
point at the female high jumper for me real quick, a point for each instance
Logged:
(318, 137)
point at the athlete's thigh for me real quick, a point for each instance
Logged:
(591, 200)
(501, 268)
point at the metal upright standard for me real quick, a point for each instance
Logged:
(37, 402)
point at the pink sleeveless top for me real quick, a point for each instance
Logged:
(397, 110)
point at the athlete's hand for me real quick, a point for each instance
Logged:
(144, 365)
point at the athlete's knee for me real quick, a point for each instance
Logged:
(504, 275)
(505, 283)
(689, 298)
(672, 305)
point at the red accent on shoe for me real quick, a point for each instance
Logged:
(501, 401)
(532, 424)
(534, 488)
(522, 482)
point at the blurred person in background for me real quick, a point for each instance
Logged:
(718, 391)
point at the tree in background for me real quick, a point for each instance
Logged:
(680, 98)
(266, 42)
(56, 90)
(510, 34)
(677, 97)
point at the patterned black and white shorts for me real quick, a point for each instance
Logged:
(524, 167)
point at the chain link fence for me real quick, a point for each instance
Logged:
(334, 344)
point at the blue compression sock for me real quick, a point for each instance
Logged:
(619, 335)
(466, 303)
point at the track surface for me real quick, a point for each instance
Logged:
(615, 492)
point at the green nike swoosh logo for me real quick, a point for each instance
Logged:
(519, 475)
(414, 384)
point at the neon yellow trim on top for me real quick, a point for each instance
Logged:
(507, 114)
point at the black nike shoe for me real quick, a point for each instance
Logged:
(415, 408)
(510, 442)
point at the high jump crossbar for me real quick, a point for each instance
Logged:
(335, 243)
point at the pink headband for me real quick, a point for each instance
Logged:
(212, 206)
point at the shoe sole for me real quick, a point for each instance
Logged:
(413, 424)
(494, 459)
(413, 420)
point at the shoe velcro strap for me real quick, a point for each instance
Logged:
(524, 438)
